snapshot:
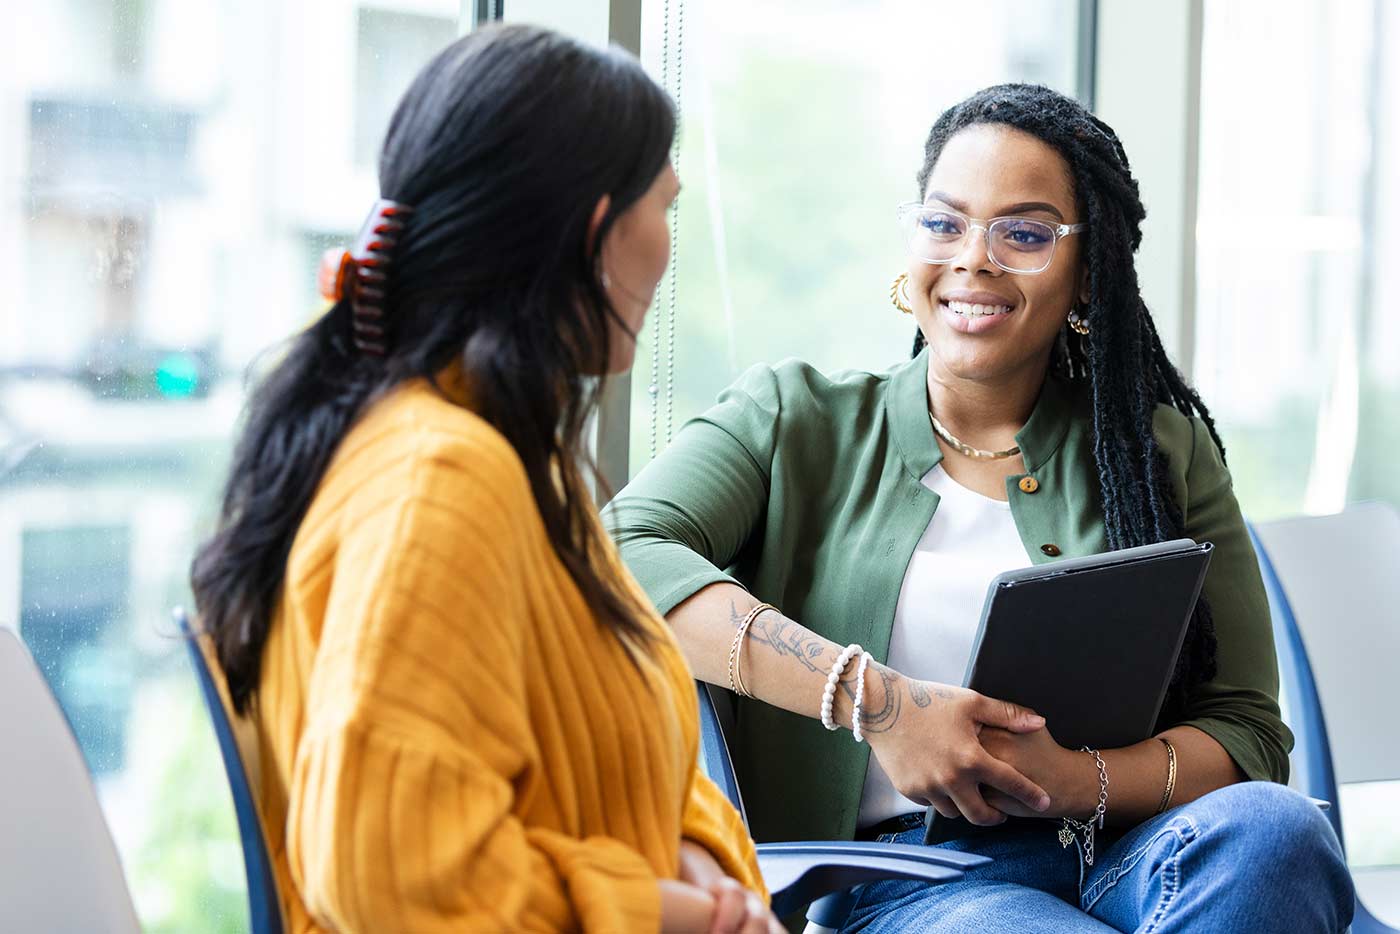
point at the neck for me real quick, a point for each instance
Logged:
(985, 413)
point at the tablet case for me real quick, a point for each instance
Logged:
(1088, 643)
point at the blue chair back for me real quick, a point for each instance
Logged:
(714, 750)
(1312, 756)
(264, 906)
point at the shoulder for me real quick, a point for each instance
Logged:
(794, 386)
(1197, 463)
(414, 443)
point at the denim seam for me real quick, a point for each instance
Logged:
(1169, 896)
(1101, 888)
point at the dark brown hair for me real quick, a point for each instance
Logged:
(1122, 358)
(502, 145)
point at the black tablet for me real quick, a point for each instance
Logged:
(1090, 643)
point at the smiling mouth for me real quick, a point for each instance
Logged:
(969, 310)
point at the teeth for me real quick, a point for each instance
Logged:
(977, 311)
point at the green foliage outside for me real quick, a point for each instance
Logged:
(187, 872)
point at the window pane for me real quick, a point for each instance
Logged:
(169, 173)
(1298, 330)
(1298, 337)
(802, 127)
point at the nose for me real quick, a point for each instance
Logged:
(974, 255)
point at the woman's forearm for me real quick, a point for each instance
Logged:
(784, 664)
(928, 746)
(1138, 775)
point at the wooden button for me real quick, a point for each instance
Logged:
(1029, 484)
(1051, 550)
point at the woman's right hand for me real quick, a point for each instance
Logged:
(724, 908)
(932, 755)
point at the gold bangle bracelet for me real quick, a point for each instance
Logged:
(1171, 775)
(736, 666)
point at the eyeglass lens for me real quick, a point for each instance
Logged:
(1012, 243)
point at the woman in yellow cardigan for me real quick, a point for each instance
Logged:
(467, 716)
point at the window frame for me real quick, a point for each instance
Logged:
(1108, 66)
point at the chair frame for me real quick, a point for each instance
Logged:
(825, 872)
(264, 903)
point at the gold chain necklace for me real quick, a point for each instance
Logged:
(968, 450)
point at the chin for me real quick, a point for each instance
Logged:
(976, 366)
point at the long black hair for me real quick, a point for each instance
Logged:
(1122, 358)
(503, 145)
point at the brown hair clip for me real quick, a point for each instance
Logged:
(361, 274)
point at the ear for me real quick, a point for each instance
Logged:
(1084, 285)
(600, 211)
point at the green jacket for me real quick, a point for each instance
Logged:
(805, 490)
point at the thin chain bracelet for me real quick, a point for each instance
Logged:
(1084, 830)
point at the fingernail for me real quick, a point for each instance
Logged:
(1042, 803)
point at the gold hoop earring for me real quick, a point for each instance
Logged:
(899, 293)
(1078, 323)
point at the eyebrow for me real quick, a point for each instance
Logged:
(1021, 208)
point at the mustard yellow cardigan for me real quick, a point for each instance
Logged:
(445, 740)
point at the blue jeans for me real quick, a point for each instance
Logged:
(1254, 857)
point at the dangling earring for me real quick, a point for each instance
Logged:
(899, 293)
(1078, 323)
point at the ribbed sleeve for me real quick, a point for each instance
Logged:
(711, 821)
(386, 836)
(450, 741)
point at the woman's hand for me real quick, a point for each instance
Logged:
(932, 753)
(729, 908)
(1070, 777)
(685, 909)
(698, 865)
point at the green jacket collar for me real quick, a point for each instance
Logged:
(907, 406)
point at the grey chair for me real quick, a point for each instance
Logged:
(1334, 592)
(59, 870)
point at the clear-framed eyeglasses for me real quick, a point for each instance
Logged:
(936, 234)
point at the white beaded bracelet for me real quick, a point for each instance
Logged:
(829, 692)
(860, 696)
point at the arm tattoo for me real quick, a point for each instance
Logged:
(922, 696)
(883, 718)
(783, 636)
(919, 694)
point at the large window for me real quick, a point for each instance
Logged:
(169, 173)
(1297, 333)
(803, 124)
(1297, 324)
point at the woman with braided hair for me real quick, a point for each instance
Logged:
(464, 715)
(1038, 418)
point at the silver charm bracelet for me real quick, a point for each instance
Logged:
(1084, 830)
